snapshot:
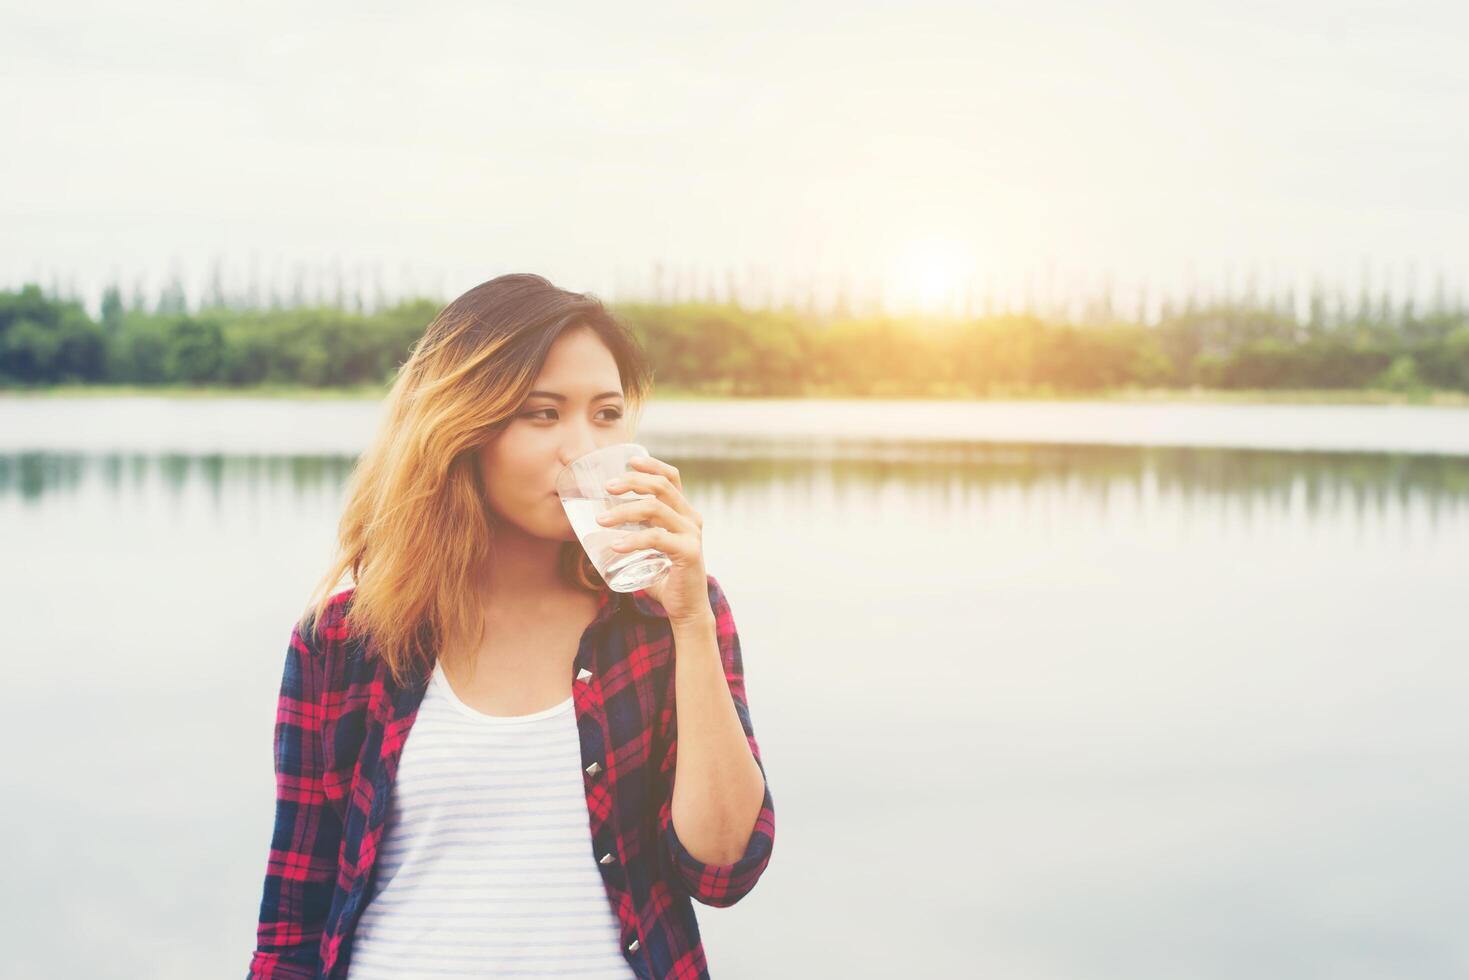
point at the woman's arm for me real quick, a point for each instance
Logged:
(302, 870)
(716, 817)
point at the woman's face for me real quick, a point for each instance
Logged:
(519, 466)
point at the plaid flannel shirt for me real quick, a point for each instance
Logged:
(340, 728)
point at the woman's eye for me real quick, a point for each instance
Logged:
(538, 414)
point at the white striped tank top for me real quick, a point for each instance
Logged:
(486, 867)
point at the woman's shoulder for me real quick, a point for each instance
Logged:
(341, 656)
(323, 638)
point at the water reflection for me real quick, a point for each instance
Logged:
(940, 477)
(34, 476)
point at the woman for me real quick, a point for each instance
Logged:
(532, 823)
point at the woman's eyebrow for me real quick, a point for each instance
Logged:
(562, 398)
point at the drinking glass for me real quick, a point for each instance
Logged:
(582, 487)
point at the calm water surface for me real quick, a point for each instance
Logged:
(1033, 706)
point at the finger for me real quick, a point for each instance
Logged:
(655, 483)
(651, 464)
(672, 545)
(647, 509)
(636, 479)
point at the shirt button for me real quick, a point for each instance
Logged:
(632, 947)
(605, 858)
(594, 768)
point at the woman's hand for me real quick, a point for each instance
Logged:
(677, 531)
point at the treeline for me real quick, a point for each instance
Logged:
(727, 348)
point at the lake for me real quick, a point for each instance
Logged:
(1057, 691)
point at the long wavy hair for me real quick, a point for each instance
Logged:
(416, 527)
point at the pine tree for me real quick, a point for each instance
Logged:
(111, 310)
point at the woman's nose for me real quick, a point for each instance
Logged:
(583, 442)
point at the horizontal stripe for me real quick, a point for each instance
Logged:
(487, 862)
(410, 911)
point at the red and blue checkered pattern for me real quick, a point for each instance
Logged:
(340, 729)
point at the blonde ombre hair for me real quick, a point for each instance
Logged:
(416, 526)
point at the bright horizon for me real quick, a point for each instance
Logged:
(923, 154)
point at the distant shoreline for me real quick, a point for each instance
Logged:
(1449, 399)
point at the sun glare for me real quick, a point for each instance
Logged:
(930, 275)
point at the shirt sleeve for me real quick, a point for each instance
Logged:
(718, 885)
(301, 872)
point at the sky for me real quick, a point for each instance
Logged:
(925, 154)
